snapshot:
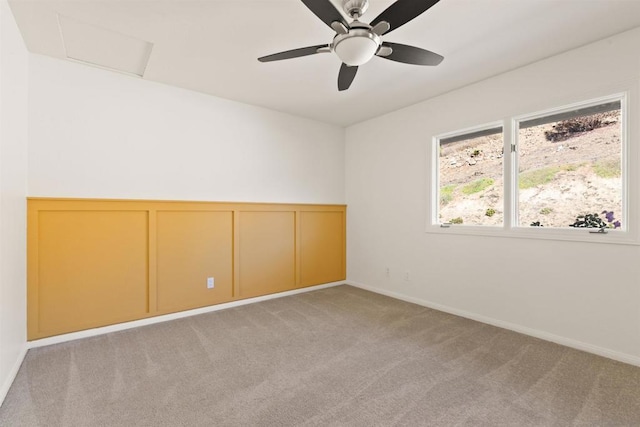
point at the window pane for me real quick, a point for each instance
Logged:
(569, 165)
(471, 179)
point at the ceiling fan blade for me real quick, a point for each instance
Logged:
(346, 76)
(402, 11)
(409, 54)
(295, 53)
(326, 11)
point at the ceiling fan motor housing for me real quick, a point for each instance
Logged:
(355, 8)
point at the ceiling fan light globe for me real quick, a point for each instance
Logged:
(357, 47)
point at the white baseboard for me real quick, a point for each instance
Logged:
(568, 342)
(167, 317)
(12, 374)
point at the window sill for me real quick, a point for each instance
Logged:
(613, 237)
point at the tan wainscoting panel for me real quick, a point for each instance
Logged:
(267, 253)
(92, 269)
(322, 247)
(93, 262)
(191, 247)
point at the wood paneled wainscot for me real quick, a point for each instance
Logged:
(93, 263)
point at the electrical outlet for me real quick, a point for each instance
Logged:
(406, 276)
(210, 283)
(387, 272)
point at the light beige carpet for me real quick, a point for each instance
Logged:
(339, 356)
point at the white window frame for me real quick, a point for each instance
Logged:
(510, 126)
(435, 199)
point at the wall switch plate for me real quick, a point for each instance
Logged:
(210, 283)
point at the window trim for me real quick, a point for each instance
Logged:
(510, 228)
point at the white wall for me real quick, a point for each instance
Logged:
(99, 134)
(13, 190)
(582, 294)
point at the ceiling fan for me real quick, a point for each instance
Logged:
(355, 43)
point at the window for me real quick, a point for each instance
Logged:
(551, 174)
(570, 165)
(471, 184)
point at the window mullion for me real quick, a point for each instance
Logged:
(509, 177)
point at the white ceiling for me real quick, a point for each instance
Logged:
(212, 46)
